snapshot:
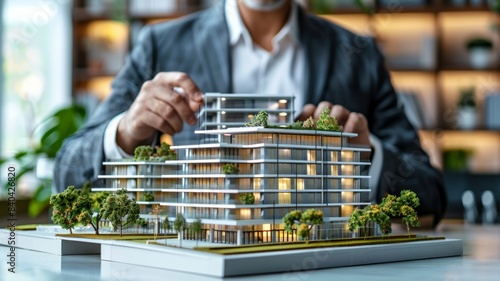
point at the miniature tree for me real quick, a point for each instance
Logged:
(247, 198)
(374, 214)
(310, 123)
(327, 122)
(166, 227)
(389, 205)
(141, 222)
(384, 222)
(291, 219)
(120, 210)
(310, 218)
(304, 220)
(97, 199)
(259, 120)
(196, 228)
(357, 220)
(360, 218)
(230, 169)
(166, 224)
(143, 153)
(156, 212)
(179, 226)
(403, 206)
(408, 202)
(69, 208)
(303, 231)
(88, 203)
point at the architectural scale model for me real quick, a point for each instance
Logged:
(239, 183)
(279, 169)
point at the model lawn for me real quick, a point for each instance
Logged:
(300, 245)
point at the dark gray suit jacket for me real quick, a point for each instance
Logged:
(341, 68)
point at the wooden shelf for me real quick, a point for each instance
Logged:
(433, 8)
(165, 16)
(464, 8)
(81, 15)
(83, 75)
(449, 130)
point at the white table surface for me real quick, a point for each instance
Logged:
(481, 261)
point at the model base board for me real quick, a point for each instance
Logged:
(47, 242)
(205, 263)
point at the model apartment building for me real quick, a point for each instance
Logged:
(284, 170)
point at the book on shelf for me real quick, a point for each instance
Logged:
(492, 111)
(152, 7)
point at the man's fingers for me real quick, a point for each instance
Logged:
(307, 110)
(178, 102)
(167, 113)
(180, 80)
(162, 100)
(181, 84)
(340, 113)
(355, 123)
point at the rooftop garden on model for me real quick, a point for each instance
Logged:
(324, 123)
(159, 153)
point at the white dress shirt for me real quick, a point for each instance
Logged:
(255, 70)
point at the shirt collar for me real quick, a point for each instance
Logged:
(238, 30)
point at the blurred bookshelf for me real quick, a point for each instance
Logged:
(104, 32)
(425, 44)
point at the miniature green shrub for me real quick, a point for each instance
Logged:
(143, 153)
(327, 122)
(230, 169)
(259, 120)
(247, 198)
(148, 197)
(159, 153)
(310, 123)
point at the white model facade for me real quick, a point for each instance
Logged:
(284, 169)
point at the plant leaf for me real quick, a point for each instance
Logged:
(40, 200)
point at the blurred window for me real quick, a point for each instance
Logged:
(36, 72)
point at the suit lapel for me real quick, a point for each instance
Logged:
(317, 49)
(211, 39)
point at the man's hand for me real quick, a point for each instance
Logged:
(351, 121)
(159, 107)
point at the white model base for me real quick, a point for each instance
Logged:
(205, 263)
(47, 242)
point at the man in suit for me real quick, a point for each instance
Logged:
(260, 46)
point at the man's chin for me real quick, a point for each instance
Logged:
(264, 5)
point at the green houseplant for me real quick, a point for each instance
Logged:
(52, 131)
(467, 109)
(480, 50)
